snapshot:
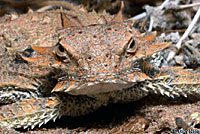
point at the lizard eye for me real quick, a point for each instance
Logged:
(132, 46)
(60, 48)
(60, 53)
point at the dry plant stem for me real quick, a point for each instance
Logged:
(45, 8)
(151, 18)
(188, 6)
(185, 35)
(144, 14)
(151, 24)
(139, 16)
(190, 27)
(163, 4)
(197, 53)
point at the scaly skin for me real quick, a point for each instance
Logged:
(90, 67)
(37, 111)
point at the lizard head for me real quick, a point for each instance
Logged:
(98, 58)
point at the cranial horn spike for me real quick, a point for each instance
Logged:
(41, 50)
(119, 17)
(149, 37)
(46, 63)
(102, 20)
(156, 48)
(65, 20)
(104, 12)
(33, 60)
(94, 12)
(38, 61)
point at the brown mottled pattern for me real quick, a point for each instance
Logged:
(84, 67)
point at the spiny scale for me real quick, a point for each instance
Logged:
(176, 81)
(30, 112)
(38, 111)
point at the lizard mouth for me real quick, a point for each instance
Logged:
(99, 84)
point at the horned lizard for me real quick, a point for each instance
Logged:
(89, 67)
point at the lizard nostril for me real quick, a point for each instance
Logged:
(107, 55)
(89, 58)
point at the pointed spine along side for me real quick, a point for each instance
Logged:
(149, 49)
(65, 20)
(147, 45)
(37, 61)
(30, 112)
(149, 37)
(119, 17)
(176, 81)
(156, 48)
(41, 50)
(45, 62)
(102, 20)
(33, 60)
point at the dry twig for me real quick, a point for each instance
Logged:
(185, 35)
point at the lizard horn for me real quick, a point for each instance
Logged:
(119, 17)
(33, 60)
(149, 37)
(38, 61)
(42, 61)
(153, 48)
(149, 49)
(65, 20)
(41, 50)
(102, 20)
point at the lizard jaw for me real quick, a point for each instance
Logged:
(96, 86)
